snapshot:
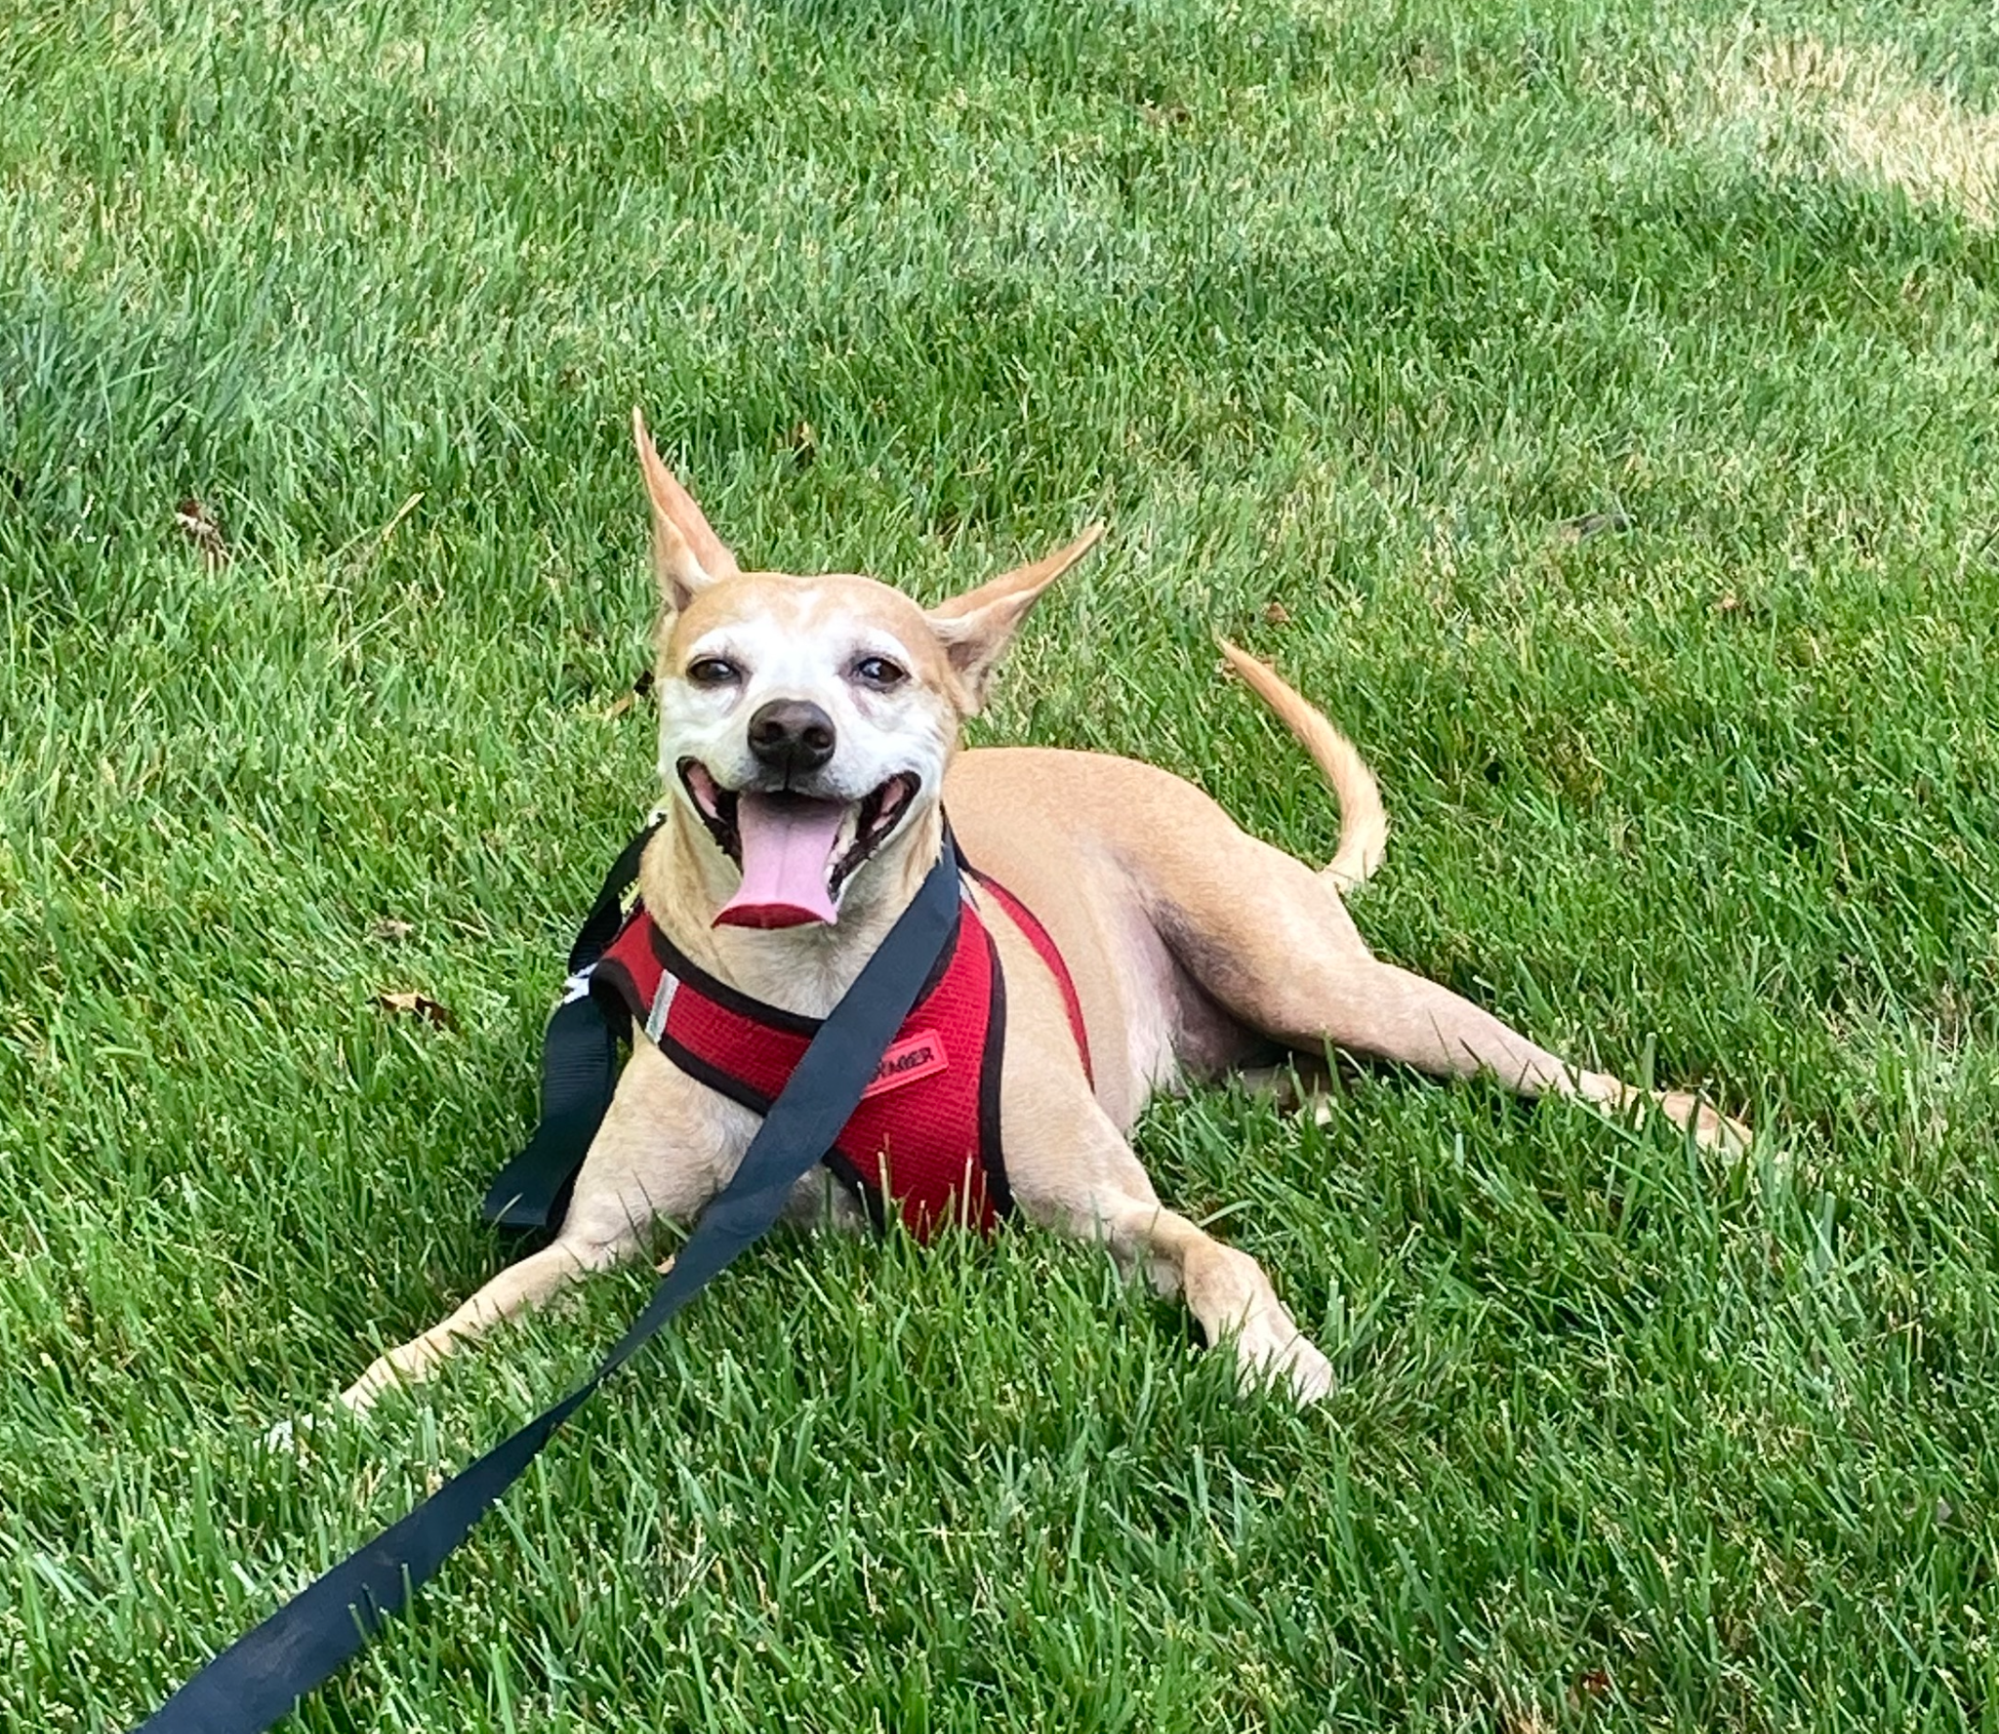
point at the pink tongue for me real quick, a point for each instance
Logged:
(787, 847)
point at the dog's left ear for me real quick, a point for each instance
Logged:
(687, 555)
(976, 628)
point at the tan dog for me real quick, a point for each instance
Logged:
(1194, 948)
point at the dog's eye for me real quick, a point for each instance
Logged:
(879, 673)
(713, 671)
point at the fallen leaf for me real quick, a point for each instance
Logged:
(391, 930)
(417, 1005)
(625, 700)
(198, 524)
(1277, 614)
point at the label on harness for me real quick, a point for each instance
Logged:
(917, 1057)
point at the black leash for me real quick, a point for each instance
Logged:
(263, 1674)
(579, 1068)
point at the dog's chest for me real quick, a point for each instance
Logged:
(805, 972)
(923, 1136)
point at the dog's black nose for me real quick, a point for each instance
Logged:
(791, 735)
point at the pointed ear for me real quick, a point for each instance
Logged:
(687, 556)
(976, 628)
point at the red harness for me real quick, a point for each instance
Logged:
(927, 1133)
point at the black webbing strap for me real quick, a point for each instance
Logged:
(579, 1070)
(259, 1677)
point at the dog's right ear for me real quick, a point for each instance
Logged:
(687, 556)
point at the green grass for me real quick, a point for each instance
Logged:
(1336, 315)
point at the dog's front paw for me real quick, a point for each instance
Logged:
(1711, 1129)
(1272, 1353)
(385, 1373)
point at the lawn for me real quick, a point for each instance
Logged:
(1593, 409)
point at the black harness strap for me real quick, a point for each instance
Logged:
(579, 1069)
(259, 1677)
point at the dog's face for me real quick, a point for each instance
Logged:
(806, 722)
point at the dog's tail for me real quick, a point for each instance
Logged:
(1363, 823)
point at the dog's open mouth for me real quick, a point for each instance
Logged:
(796, 853)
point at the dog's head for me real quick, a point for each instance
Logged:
(806, 722)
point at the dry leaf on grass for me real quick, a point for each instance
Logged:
(418, 1005)
(198, 524)
(1729, 606)
(639, 689)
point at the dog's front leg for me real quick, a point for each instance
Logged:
(517, 1289)
(1072, 1170)
(657, 1154)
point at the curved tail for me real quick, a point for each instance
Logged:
(1363, 823)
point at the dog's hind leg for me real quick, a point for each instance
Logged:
(1278, 949)
(1271, 940)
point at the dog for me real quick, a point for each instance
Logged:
(809, 748)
